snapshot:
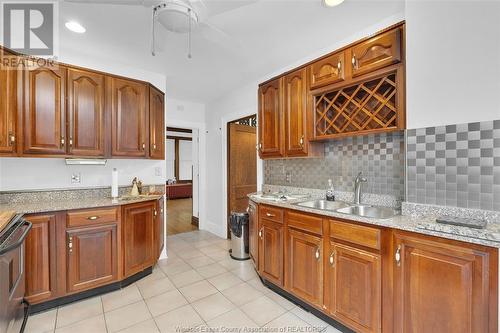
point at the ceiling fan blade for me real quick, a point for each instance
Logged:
(211, 8)
(146, 3)
(216, 35)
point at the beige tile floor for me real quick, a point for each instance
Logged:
(197, 289)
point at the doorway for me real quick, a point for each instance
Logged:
(241, 164)
(181, 159)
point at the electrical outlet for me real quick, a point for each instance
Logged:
(288, 177)
(76, 178)
(158, 171)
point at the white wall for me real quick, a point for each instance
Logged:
(453, 62)
(240, 102)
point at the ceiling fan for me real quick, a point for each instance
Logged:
(183, 16)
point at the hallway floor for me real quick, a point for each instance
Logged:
(198, 287)
(179, 215)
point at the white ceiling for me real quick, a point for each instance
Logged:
(262, 37)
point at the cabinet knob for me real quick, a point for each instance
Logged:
(260, 145)
(62, 141)
(317, 253)
(301, 141)
(260, 233)
(354, 61)
(155, 212)
(397, 256)
(154, 146)
(70, 141)
(92, 218)
(332, 258)
(143, 146)
(339, 67)
(12, 138)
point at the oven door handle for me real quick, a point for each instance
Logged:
(20, 241)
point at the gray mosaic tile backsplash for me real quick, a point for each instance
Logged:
(380, 157)
(455, 165)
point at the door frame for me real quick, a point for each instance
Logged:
(224, 126)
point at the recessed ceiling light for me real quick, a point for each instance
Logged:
(332, 3)
(75, 27)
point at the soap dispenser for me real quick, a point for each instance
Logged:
(330, 195)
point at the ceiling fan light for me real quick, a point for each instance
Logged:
(75, 27)
(332, 3)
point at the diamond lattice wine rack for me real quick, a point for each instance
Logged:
(369, 106)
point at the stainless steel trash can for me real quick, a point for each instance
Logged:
(239, 236)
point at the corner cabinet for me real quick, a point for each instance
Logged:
(270, 120)
(156, 124)
(129, 119)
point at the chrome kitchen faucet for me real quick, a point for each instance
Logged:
(357, 188)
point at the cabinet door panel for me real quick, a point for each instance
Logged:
(295, 113)
(129, 119)
(305, 267)
(40, 259)
(156, 124)
(8, 107)
(355, 297)
(270, 120)
(271, 252)
(86, 113)
(328, 70)
(377, 52)
(44, 111)
(159, 227)
(440, 288)
(139, 241)
(92, 257)
(253, 233)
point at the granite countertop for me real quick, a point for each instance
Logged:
(28, 207)
(427, 225)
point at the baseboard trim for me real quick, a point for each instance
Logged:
(35, 308)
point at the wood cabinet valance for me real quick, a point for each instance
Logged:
(68, 111)
(356, 90)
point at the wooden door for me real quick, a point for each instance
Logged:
(328, 70)
(129, 118)
(242, 167)
(8, 107)
(304, 266)
(138, 237)
(159, 227)
(85, 113)
(253, 233)
(441, 287)
(44, 123)
(156, 124)
(40, 259)
(92, 258)
(377, 52)
(270, 120)
(355, 290)
(271, 251)
(295, 106)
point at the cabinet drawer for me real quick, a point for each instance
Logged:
(305, 222)
(271, 213)
(356, 234)
(91, 217)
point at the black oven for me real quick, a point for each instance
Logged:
(13, 308)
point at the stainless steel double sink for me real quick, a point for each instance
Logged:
(350, 209)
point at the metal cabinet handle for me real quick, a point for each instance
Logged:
(154, 146)
(260, 233)
(70, 244)
(397, 256)
(62, 141)
(155, 213)
(70, 141)
(143, 146)
(93, 218)
(12, 138)
(354, 61)
(270, 215)
(317, 253)
(339, 67)
(260, 145)
(301, 141)
(332, 258)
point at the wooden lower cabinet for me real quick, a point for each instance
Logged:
(355, 287)
(40, 258)
(253, 234)
(92, 258)
(304, 266)
(271, 251)
(138, 237)
(444, 286)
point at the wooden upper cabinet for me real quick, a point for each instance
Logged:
(40, 259)
(377, 52)
(328, 70)
(441, 287)
(44, 123)
(355, 287)
(295, 106)
(85, 113)
(129, 117)
(270, 119)
(92, 258)
(304, 266)
(8, 107)
(156, 124)
(271, 251)
(138, 237)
